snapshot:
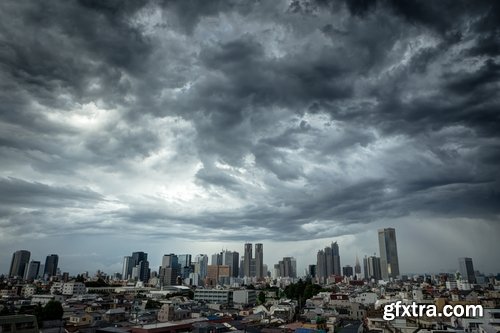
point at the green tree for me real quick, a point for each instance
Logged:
(4, 311)
(152, 304)
(262, 298)
(52, 311)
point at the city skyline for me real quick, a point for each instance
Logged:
(367, 272)
(192, 126)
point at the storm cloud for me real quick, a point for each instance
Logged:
(231, 121)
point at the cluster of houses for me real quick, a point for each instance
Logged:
(344, 306)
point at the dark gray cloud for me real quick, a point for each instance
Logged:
(247, 120)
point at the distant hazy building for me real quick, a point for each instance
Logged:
(200, 265)
(216, 259)
(466, 269)
(253, 266)
(357, 268)
(184, 261)
(169, 270)
(128, 265)
(374, 269)
(247, 260)
(328, 262)
(389, 263)
(33, 270)
(51, 263)
(347, 271)
(217, 274)
(19, 263)
(259, 261)
(140, 261)
(231, 259)
(286, 267)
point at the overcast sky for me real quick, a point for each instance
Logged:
(191, 126)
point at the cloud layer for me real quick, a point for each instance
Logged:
(233, 121)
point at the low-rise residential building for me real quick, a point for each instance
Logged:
(74, 288)
(245, 297)
(44, 299)
(218, 296)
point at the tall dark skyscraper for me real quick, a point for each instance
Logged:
(51, 263)
(231, 259)
(247, 263)
(19, 263)
(357, 268)
(389, 263)
(259, 261)
(140, 260)
(184, 265)
(374, 270)
(328, 262)
(321, 266)
(33, 270)
(336, 259)
(170, 269)
(466, 269)
(287, 267)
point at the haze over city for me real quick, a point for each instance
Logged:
(196, 126)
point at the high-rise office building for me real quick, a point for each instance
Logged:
(33, 270)
(201, 265)
(140, 261)
(169, 270)
(287, 268)
(216, 259)
(247, 263)
(336, 259)
(128, 265)
(259, 261)
(328, 262)
(357, 268)
(374, 269)
(365, 268)
(19, 263)
(321, 266)
(347, 271)
(184, 261)
(389, 263)
(466, 269)
(51, 263)
(231, 259)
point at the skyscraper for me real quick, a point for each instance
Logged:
(201, 265)
(247, 260)
(51, 265)
(184, 265)
(347, 271)
(328, 262)
(140, 261)
(19, 264)
(321, 266)
(466, 269)
(357, 268)
(33, 270)
(259, 261)
(374, 268)
(231, 259)
(287, 267)
(389, 263)
(128, 265)
(336, 259)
